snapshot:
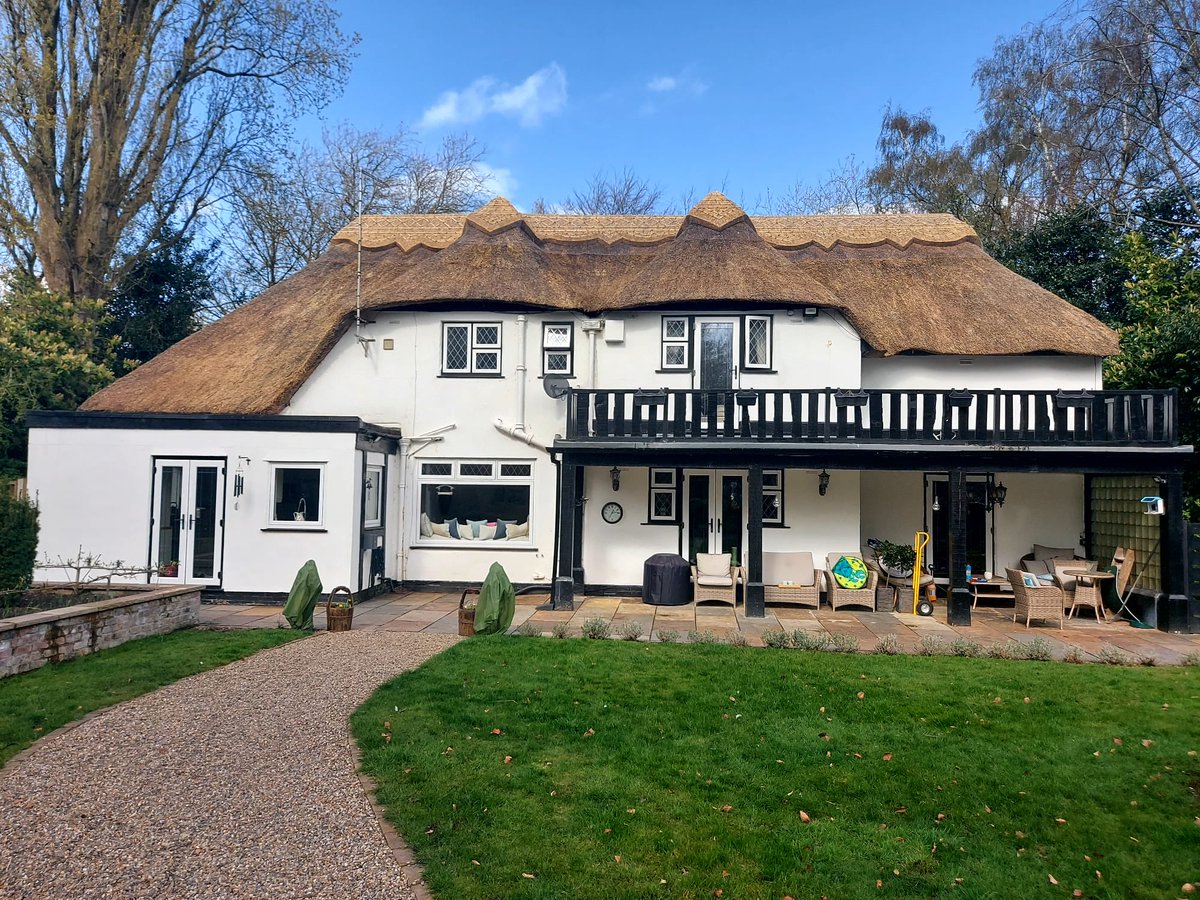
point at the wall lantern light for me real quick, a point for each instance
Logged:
(615, 472)
(822, 482)
(997, 493)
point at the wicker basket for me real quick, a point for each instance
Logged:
(339, 618)
(466, 617)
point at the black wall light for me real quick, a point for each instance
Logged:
(615, 472)
(822, 482)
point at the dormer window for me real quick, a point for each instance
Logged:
(471, 348)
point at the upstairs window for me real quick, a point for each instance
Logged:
(676, 343)
(756, 352)
(471, 348)
(558, 348)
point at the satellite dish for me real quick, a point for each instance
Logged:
(556, 386)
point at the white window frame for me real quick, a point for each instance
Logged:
(307, 524)
(684, 342)
(377, 521)
(664, 482)
(761, 365)
(552, 343)
(474, 348)
(775, 488)
(456, 477)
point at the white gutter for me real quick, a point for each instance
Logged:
(518, 433)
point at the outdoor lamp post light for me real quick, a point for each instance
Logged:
(822, 482)
(615, 472)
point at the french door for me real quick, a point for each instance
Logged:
(715, 513)
(187, 519)
(715, 361)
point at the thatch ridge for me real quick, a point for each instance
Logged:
(906, 283)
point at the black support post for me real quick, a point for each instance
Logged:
(958, 605)
(577, 555)
(563, 596)
(1177, 611)
(755, 603)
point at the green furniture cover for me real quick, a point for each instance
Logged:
(497, 602)
(302, 598)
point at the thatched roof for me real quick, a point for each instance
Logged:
(906, 282)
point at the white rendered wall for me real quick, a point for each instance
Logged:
(1037, 373)
(1040, 508)
(93, 487)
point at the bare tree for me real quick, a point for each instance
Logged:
(621, 193)
(846, 190)
(124, 116)
(283, 211)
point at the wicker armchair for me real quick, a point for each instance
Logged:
(790, 577)
(715, 577)
(1042, 602)
(840, 596)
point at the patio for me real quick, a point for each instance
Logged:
(437, 613)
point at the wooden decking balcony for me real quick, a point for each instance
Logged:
(987, 418)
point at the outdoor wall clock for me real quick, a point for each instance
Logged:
(612, 512)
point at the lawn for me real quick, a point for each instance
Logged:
(539, 768)
(37, 702)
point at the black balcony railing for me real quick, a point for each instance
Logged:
(989, 418)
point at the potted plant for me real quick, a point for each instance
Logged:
(896, 563)
(169, 569)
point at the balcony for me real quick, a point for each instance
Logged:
(995, 418)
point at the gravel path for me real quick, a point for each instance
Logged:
(237, 782)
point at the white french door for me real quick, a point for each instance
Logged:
(187, 520)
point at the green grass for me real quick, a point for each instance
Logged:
(37, 702)
(693, 765)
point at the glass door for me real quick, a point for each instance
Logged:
(187, 520)
(715, 365)
(716, 521)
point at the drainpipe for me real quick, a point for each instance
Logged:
(592, 358)
(521, 370)
(520, 434)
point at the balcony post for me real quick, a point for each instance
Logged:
(755, 603)
(1177, 611)
(563, 594)
(958, 604)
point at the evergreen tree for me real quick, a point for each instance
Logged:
(160, 301)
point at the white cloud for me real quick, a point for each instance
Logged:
(542, 94)
(497, 182)
(685, 82)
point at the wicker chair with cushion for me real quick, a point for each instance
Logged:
(715, 577)
(790, 577)
(841, 596)
(1042, 602)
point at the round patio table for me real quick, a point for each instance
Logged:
(1090, 592)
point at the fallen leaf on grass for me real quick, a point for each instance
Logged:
(1053, 880)
(1061, 821)
(887, 757)
(860, 695)
(858, 756)
(617, 858)
(527, 875)
(507, 760)
(822, 709)
(589, 732)
(805, 817)
(878, 883)
(474, 862)
(631, 810)
(719, 892)
(726, 808)
(1147, 742)
(824, 735)
(901, 810)
(1188, 888)
(1118, 742)
(1077, 893)
(940, 817)
(497, 731)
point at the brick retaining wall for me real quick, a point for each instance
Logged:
(28, 642)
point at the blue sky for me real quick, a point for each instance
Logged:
(746, 98)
